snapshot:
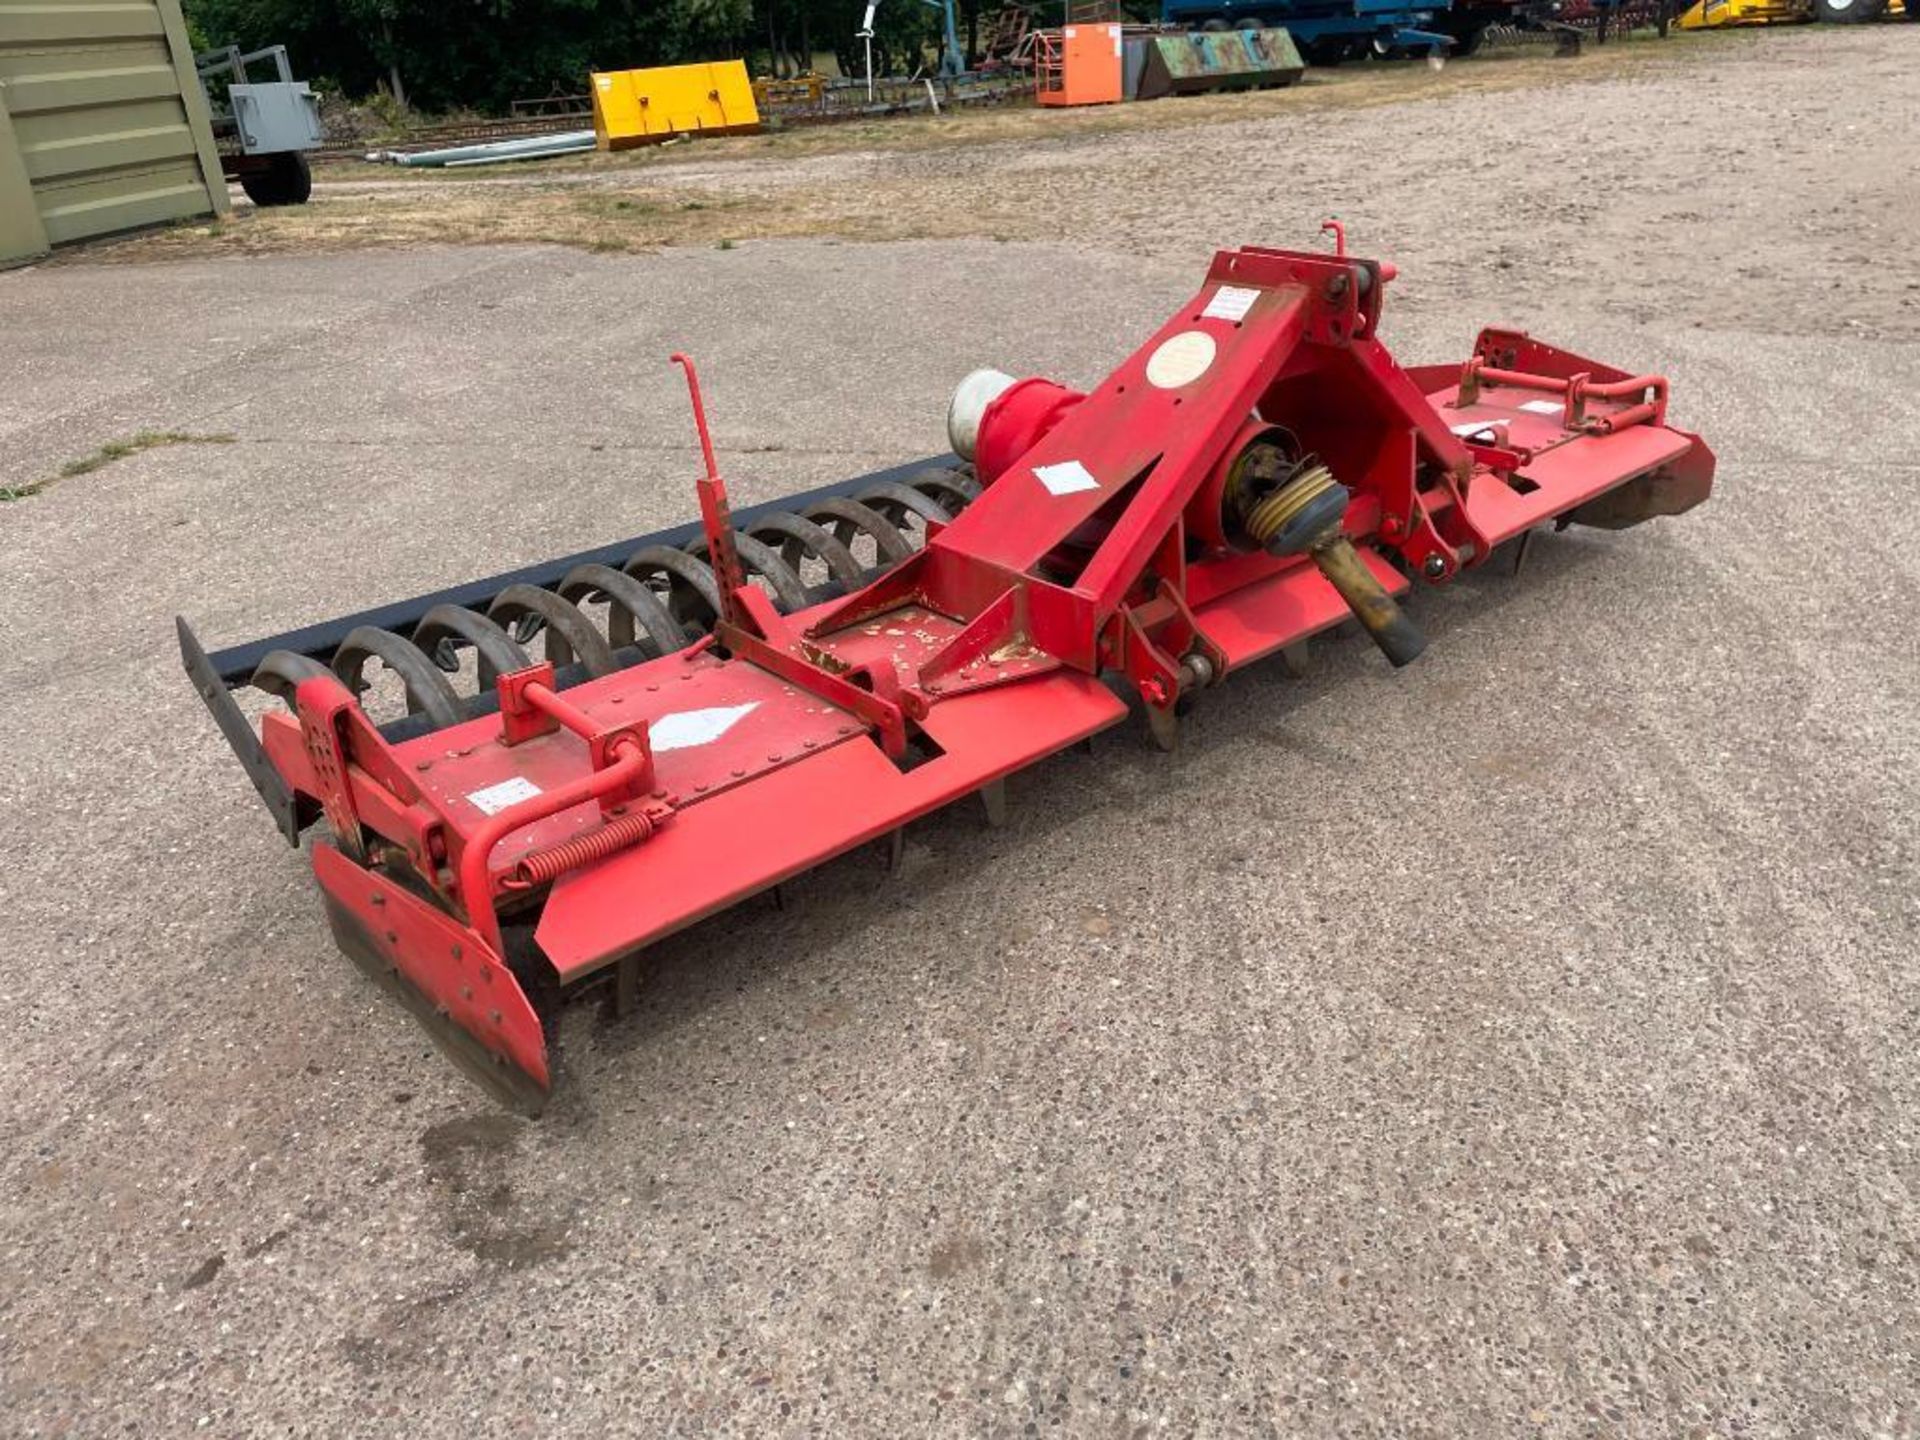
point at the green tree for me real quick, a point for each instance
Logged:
(441, 54)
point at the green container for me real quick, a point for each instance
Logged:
(1208, 60)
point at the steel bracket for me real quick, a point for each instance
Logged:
(603, 749)
(520, 719)
(287, 809)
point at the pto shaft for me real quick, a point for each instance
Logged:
(1304, 514)
(1399, 639)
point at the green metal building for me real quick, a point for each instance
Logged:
(103, 124)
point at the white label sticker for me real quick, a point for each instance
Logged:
(1543, 407)
(1473, 427)
(686, 728)
(495, 798)
(1181, 360)
(1230, 302)
(1067, 478)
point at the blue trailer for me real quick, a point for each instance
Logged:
(1327, 31)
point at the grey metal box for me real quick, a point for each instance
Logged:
(280, 115)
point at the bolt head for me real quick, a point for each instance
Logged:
(1435, 566)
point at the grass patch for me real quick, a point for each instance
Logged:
(606, 220)
(111, 451)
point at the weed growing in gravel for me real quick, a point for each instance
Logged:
(108, 453)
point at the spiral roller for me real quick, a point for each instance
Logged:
(660, 600)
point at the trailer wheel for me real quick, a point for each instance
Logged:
(1251, 22)
(286, 180)
(1465, 45)
(1848, 12)
(1215, 26)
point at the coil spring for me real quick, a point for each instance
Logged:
(543, 867)
(659, 601)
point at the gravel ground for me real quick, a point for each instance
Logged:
(1520, 1044)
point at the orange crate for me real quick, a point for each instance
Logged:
(1078, 65)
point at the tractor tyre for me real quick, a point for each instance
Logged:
(1848, 12)
(286, 181)
(1913, 9)
(1465, 45)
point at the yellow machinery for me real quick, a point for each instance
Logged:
(807, 89)
(644, 107)
(1714, 14)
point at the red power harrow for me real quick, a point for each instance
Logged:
(770, 689)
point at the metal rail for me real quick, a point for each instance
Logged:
(454, 133)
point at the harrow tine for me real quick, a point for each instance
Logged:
(994, 796)
(626, 985)
(1163, 727)
(1520, 548)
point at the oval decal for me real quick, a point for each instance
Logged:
(1181, 360)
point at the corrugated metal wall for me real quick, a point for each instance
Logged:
(104, 119)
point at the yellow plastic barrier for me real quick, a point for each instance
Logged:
(644, 107)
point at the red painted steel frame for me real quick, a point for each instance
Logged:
(660, 793)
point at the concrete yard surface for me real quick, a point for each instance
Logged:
(1519, 1044)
